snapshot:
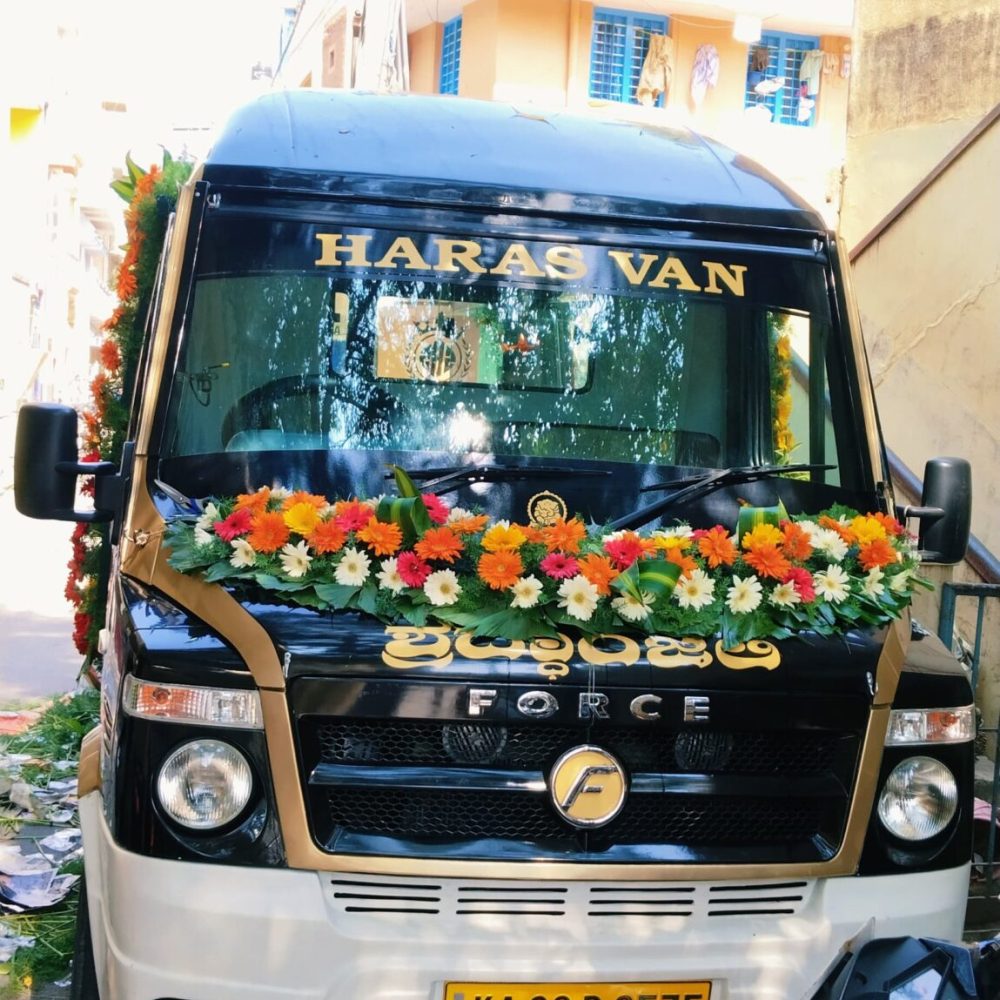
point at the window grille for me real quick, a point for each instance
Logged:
(618, 47)
(785, 52)
(451, 51)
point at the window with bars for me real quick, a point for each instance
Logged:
(618, 47)
(784, 61)
(451, 51)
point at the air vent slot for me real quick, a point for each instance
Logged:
(356, 896)
(546, 901)
(763, 899)
(645, 901)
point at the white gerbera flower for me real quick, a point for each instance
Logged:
(280, 493)
(206, 519)
(579, 597)
(352, 570)
(785, 595)
(203, 537)
(675, 531)
(295, 559)
(832, 584)
(327, 511)
(458, 514)
(697, 590)
(389, 578)
(633, 610)
(872, 584)
(899, 582)
(744, 595)
(243, 555)
(442, 587)
(526, 592)
(373, 502)
(809, 527)
(827, 542)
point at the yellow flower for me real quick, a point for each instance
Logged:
(504, 537)
(668, 542)
(302, 518)
(762, 535)
(783, 348)
(867, 529)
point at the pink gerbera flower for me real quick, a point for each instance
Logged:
(801, 579)
(437, 509)
(412, 569)
(623, 551)
(559, 566)
(238, 523)
(352, 515)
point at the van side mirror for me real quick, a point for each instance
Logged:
(945, 512)
(46, 467)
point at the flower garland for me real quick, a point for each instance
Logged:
(151, 196)
(417, 559)
(781, 388)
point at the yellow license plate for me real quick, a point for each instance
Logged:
(578, 991)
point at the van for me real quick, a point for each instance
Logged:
(335, 789)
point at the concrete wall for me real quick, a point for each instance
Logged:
(925, 71)
(425, 58)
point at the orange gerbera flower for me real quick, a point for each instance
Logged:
(876, 554)
(599, 570)
(842, 529)
(768, 561)
(500, 570)
(678, 558)
(255, 502)
(268, 532)
(503, 538)
(891, 525)
(127, 284)
(796, 543)
(383, 539)
(717, 547)
(564, 535)
(533, 535)
(761, 534)
(302, 496)
(327, 537)
(469, 525)
(439, 543)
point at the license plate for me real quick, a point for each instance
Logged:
(578, 991)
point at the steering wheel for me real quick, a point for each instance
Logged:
(255, 410)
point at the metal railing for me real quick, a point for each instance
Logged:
(982, 592)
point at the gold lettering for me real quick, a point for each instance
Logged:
(354, 245)
(626, 655)
(404, 248)
(674, 270)
(476, 649)
(552, 655)
(464, 251)
(755, 653)
(411, 646)
(624, 261)
(517, 255)
(731, 275)
(565, 262)
(663, 651)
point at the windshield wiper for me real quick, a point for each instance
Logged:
(446, 480)
(688, 490)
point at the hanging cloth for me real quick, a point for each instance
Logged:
(811, 70)
(704, 73)
(657, 70)
(760, 59)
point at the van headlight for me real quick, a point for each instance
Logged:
(204, 784)
(919, 799)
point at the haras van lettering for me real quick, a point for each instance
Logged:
(555, 261)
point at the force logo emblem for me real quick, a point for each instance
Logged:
(546, 508)
(587, 786)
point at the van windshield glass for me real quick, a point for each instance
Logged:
(378, 343)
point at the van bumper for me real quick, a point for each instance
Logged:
(168, 929)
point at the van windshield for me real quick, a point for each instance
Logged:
(440, 348)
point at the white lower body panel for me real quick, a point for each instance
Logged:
(213, 932)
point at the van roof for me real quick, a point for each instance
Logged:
(455, 151)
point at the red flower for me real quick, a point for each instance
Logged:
(238, 523)
(435, 507)
(801, 579)
(625, 550)
(412, 569)
(559, 566)
(352, 515)
(81, 627)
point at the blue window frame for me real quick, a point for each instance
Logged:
(618, 47)
(785, 52)
(451, 51)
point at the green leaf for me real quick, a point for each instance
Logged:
(628, 582)
(658, 576)
(367, 598)
(338, 595)
(750, 517)
(135, 172)
(167, 158)
(416, 614)
(269, 582)
(410, 513)
(405, 485)
(221, 571)
(123, 189)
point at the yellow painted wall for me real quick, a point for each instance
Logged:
(532, 51)
(724, 100)
(425, 58)
(477, 71)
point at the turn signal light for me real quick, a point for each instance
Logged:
(931, 725)
(227, 707)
